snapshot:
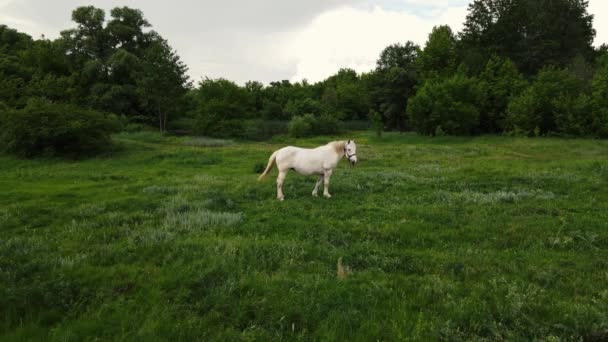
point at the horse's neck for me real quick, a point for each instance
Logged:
(338, 147)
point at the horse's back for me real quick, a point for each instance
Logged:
(303, 160)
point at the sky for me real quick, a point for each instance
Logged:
(271, 40)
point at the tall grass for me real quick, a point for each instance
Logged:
(482, 239)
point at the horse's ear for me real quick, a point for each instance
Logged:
(348, 143)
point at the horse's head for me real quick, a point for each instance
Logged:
(350, 152)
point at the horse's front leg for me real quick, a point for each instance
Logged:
(326, 176)
(280, 180)
(315, 192)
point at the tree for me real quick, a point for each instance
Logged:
(500, 82)
(532, 33)
(89, 40)
(163, 81)
(393, 81)
(352, 102)
(544, 107)
(255, 90)
(376, 120)
(438, 59)
(221, 108)
(599, 122)
(14, 74)
(45, 128)
(448, 105)
(126, 30)
(329, 101)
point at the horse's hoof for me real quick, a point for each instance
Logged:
(327, 195)
(314, 194)
(281, 199)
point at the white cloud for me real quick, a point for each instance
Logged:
(354, 38)
(599, 8)
(270, 40)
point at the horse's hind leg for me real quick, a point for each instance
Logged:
(326, 177)
(280, 180)
(316, 190)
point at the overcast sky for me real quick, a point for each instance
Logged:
(269, 40)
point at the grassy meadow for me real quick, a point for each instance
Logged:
(171, 238)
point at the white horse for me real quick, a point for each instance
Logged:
(319, 161)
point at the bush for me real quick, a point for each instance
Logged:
(309, 125)
(221, 106)
(599, 121)
(450, 103)
(44, 128)
(377, 122)
(301, 126)
(326, 124)
(302, 107)
(553, 104)
(263, 129)
(500, 83)
(212, 126)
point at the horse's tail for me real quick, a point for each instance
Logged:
(271, 163)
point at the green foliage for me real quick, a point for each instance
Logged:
(377, 122)
(309, 125)
(329, 101)
(500, 82)
(220, 107)
(272, 110)
(599, 124)
(450, 103)
(439, 132)
(392, 83)
(353, 98)
(304, 106)
(302, 126)
(438, 58)
(553, 103)
(44, 128)
(257, 129)
(532, 33)
(164, 81)
(326, 124)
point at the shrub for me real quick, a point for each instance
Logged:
(44, 128)
(326, 124)
(500, 83)
(553, 104)
(599, 121)
(358, 125)
(450, 103)
(302, 107)
(377, 122)
(301, 126)
(263, 129)
(220, 107)
(308, 125)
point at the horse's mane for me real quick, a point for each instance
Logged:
(338, 146)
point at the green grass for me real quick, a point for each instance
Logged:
(445, 238)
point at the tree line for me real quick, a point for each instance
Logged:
(518, 66)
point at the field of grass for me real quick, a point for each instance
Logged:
(440, 238)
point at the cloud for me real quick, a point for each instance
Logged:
(599, 8)
(270, 40)
(354, 38)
